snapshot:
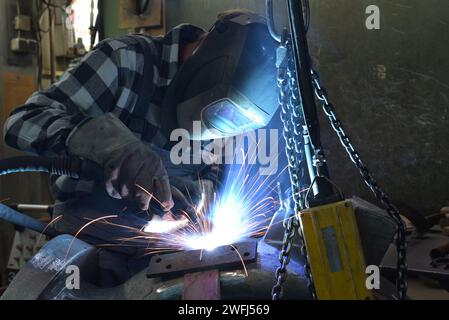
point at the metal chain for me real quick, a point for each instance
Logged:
(298, 124)
(292, 120)
(401, 241)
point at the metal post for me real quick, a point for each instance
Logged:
(307, 94)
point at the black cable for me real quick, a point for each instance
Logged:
(101, 35)
(39, 32)
(39, 51)
(95, 29)
(270, 17)
(141, 9)
(306, 10)
(270, 20)
(53, 5)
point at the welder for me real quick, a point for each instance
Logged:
(117, 108)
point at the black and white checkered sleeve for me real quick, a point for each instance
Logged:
(92, 88)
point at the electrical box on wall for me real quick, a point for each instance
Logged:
(22, 23)
(23, 44)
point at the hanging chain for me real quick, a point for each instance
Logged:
(297, 121)
(292, 120)
(401, 241)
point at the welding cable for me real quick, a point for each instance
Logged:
(271, 23)
(269, 11)
(142, 7)
(75, 168)
(72, 167)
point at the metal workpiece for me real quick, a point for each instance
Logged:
(236, 285)
(441, 251)
(48, 267)
(45, 278)
(420, 261)
(180, 263)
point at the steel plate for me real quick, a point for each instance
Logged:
(222, 258)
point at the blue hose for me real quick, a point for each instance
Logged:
(20, 219)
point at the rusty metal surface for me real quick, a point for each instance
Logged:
(199, 260)
(203, 286)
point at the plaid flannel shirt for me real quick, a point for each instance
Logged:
(108, 79)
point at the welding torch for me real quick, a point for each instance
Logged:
(78, 168)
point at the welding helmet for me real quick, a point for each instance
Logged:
(230, 82)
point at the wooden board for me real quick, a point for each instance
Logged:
(128, 19)
(17, 88)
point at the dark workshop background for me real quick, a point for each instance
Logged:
(390, 87)
(21, 188)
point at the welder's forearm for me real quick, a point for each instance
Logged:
(41, 130)
(43, 125)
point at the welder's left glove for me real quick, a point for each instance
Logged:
(132, 170)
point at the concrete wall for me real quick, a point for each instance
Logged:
(390, 86)
(199, 12)
(204, 12)
(398, 117)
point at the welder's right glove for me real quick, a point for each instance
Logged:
(192, 194)
(133, 171)
(186, 191)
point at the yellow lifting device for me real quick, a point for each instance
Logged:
(335, 252)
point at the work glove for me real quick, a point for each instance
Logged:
(191, 194)
(132, 170)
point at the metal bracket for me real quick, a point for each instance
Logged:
(181, 263)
